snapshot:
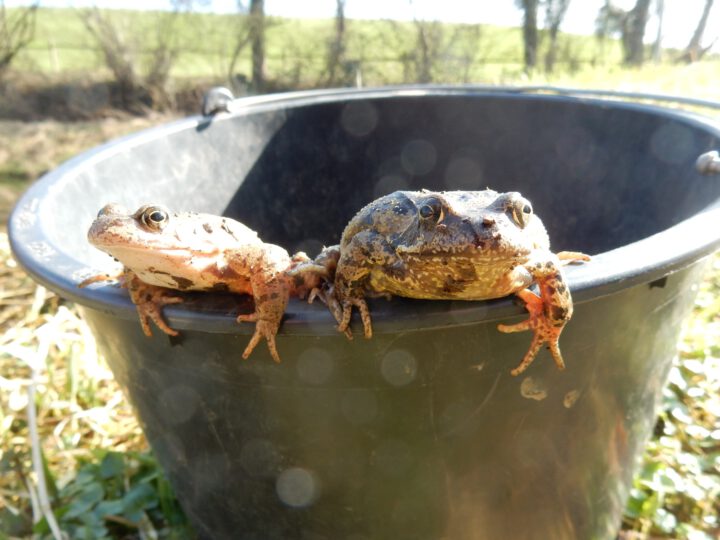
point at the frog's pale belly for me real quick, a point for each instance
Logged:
(433, 279)
(185, 272)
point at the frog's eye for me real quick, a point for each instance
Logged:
(432, 210)
(521, 212)
(155, 218)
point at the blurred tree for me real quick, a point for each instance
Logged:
(429, 51)
(694, 51)
(418, 62)
(635, 33)
(555, 11)
(257, 42)
(142, 76)
(429, 35)
(629, 24)
(657, 45)
(530, 32)
(17, 29)
(336, 47)
(242, 38)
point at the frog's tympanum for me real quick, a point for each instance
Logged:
(163, 252)
(454, 245)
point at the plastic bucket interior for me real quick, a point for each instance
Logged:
(420, 432)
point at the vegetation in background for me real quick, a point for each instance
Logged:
(676, 492)
(17, 30)
(58, 398)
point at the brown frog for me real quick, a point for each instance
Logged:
(163, 252)
(454, 245)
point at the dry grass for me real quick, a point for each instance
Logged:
(29, 149)
(47, 350)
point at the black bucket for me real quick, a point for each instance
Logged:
(420, 432)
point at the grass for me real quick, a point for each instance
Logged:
(29, 149)
(99, 476)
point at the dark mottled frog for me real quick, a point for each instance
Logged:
(163, 251)
(455, 245)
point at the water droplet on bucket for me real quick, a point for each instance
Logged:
(178, 403)
(315, 365)
(297, 487)
(399, 367)
(359, 406)
(418, 157)
(258, 457)
(359, 118)
(570, 398)
(672, 143)
(389, 183)
(393, 457)
(532, 389)
(464, 173)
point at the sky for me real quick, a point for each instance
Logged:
(681, 16)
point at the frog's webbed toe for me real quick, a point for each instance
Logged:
(267, 329)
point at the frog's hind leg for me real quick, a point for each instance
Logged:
(271, 288)
(263, 329)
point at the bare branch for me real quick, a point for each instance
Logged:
(17, 29)
(138, 82)
(336, 47)
(694, 50)
(555, 11)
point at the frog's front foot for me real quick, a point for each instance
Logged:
(346, 306)
(545, 331)
(151, 310)
(149, 301)
(267, 329)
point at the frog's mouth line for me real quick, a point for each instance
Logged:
(156, 250)
(466, 254)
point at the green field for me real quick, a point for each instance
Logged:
(296, 50)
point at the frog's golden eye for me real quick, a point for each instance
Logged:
(155, 218)
(432, 210)
(521, 212)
